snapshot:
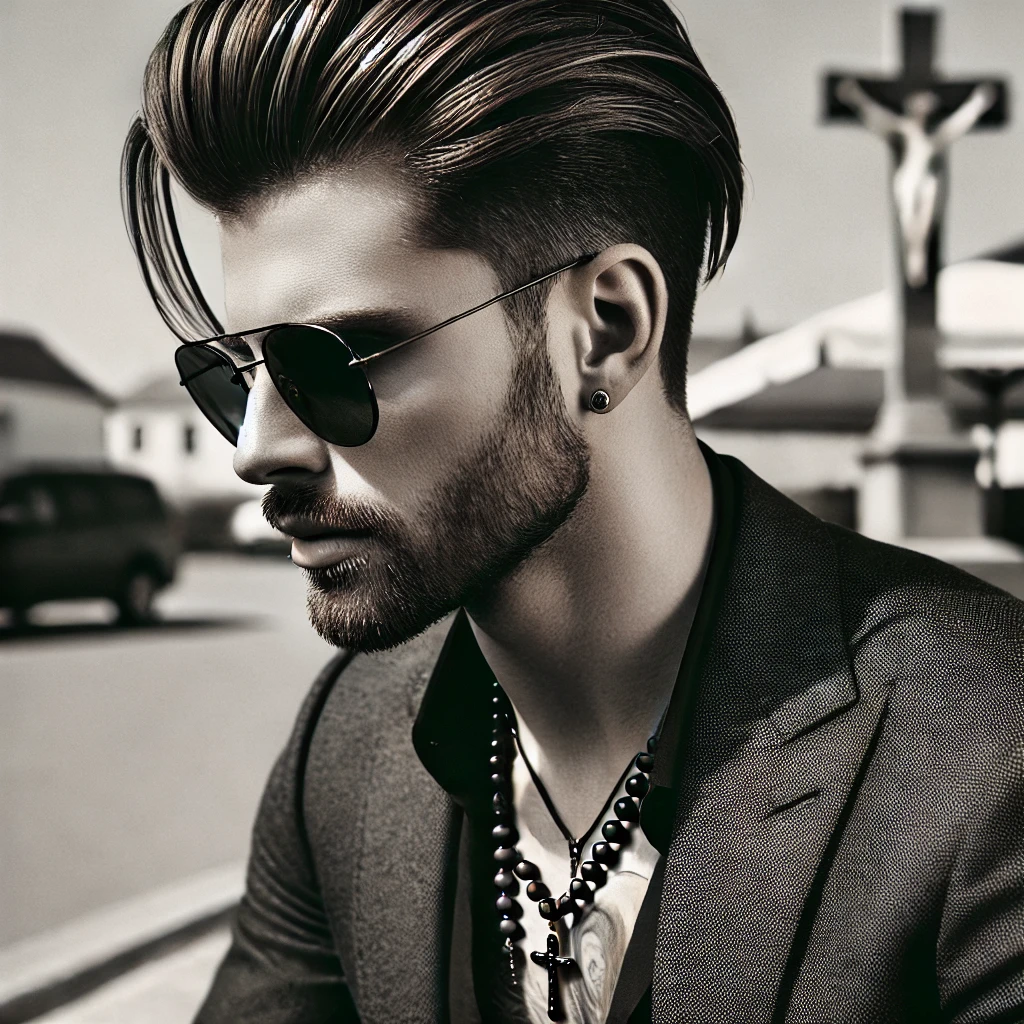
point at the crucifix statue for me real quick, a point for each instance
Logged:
(917, 180)
(920, 114)
(919, 464)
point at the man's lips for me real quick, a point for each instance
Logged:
(320, 550)
(315, 546)
(297, 526)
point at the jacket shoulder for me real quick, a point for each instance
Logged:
(366, 711)
(367, 800)
(356, 700)
(950, 645)
(380, 685)
(942, 602)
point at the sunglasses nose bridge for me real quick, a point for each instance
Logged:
(239, 376)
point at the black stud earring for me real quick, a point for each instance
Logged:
(599, 401)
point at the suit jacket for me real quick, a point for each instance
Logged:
(848, 841)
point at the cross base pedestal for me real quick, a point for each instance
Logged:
(919, 476)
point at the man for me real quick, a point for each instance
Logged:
(685, 752)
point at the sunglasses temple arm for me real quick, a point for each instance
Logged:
(476, 309)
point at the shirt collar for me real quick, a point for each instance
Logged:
(452, 732)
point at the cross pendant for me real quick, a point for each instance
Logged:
(552, 961)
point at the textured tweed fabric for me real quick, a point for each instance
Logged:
(848, 842)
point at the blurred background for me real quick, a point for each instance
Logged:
(137, 730)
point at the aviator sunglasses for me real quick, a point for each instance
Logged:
(317, 373)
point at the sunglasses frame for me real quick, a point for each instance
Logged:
(238, 374)
(355, 360)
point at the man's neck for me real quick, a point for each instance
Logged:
(587, 637)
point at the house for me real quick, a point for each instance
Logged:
(158, 431)
(47, 411)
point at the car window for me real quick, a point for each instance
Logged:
(79, 501)
(32, 497)
(128, 499)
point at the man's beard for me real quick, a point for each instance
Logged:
(507, 496)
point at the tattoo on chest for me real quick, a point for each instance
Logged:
(598, 945)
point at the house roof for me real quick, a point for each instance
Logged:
(164, 390)
(24, 357)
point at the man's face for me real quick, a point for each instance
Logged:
(475, 460)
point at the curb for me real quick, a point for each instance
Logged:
(47, 971)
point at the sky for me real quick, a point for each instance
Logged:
(816, 228)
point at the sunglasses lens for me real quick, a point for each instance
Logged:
(207, 376)
(309, 366)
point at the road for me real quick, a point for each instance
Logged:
(133, 758)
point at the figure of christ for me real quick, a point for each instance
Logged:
(917, 182)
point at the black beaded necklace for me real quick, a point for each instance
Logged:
(512, 868)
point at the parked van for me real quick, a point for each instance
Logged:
(72, 533)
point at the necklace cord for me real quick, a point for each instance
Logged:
(556, 817)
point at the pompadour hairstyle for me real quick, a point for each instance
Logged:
(532, 130)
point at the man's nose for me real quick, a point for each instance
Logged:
(274, 444)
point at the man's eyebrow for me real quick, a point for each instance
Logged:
(391, 320)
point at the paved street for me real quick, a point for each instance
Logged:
(132, 759)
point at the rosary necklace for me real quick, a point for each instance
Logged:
(512, 868)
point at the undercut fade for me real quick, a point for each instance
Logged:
(532, 130)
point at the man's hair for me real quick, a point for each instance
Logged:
(531, 130)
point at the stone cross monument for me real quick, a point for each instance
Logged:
(919, 469)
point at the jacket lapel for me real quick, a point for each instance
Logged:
(780, 733)
(385, 837)
(404, 896)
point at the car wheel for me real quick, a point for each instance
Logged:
(135, 603)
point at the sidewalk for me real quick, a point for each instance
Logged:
(167, 991)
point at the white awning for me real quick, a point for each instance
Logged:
(981, 314)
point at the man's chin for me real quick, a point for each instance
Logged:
(343, 620)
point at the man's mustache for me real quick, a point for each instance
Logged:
(319, 508)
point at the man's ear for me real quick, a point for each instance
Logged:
(622, 300)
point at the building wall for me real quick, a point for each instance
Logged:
(804, 461)
(1010, 455)
(44, 423)
(793, 460)
(152, 441)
